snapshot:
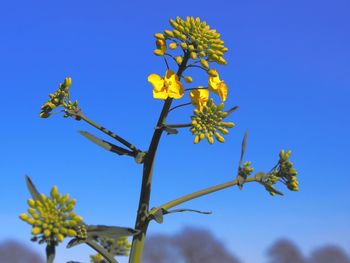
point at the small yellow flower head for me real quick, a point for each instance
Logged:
(59, 98)
(159, 36)
(52, 218)
(96, 258)
(199, 97)
(208, 122)
(199, 38)
(168, 86)
(179, 60)
(218, 86)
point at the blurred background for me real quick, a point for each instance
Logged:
(288, 70)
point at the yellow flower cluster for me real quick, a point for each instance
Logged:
(287, 172)
(52, 218)
(59, 98)
(208, 122)
(196, 37)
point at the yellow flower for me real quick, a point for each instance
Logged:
(218, 86)
(161, 45)
(199, 97)
(168, 86)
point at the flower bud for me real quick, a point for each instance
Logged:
(193, 55)
(159, 36)
(188, 79)
(178, 60)
(172, 46)
(169, 33)
(204, 63)
(36, 230)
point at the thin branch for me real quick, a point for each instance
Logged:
(80, 115)
(195, 88)
(101, 251)
(200, 193)
(166, 62)
(197, 66)
(181, 105)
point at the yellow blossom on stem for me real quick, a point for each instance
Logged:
(168, 86)
(199, 97)
(218, 86)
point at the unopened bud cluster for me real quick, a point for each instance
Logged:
(52, 218)
(115, 247)
(283, 172)
(245, 170)
(59, 98)
(195, 37)
(208, 122)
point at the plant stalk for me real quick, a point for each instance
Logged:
(142, 219)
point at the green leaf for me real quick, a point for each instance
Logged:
(32, 189)
(50, 253)
(106, 145)
(110, 231)
(170, 130)
(186, 210)
(232, 110)
(272, 190)
(244, 145)
(158, 216)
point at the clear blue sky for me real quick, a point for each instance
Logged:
(289, 71)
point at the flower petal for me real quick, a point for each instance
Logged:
(222, 91)
(175, 89)
(156, 81)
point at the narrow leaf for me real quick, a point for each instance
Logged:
(32, 189)
(74, 242)
(106, 145)
(232, 110)
(170, 130)
(244, 145)
(186, 210)
(110, 231)
(50, 253)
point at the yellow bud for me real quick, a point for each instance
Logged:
(159, 36)
(188, 79)
(44, 115)
(191, 47)
(172, 46)
(68, 82)
(177, 33)
(24, 216)
(219, 137)
(212, 72)
(158, 52)
(173, 23)
(54, 191)
(47, 232)
(210, 139)
(222, 61)
(78, 219)
(202, 54)
(196, 139)
(178, 60)
(204, 63)
(202, 136)
(169, 33)
(71, 232)
(184, 45)
(193, 55)
(183, 37)
(60, 237)
(36, 230)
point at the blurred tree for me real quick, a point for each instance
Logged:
(189, 246)
(14, 252)
(329, 254)
(284, 251)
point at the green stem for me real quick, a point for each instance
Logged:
(180, 125)
(180, 105)
(142, 219)
(200, 193)
(101, 251)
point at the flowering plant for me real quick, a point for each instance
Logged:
(191, 43)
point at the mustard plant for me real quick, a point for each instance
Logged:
(190, 43)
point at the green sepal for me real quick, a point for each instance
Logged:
(50, 253)
(32, 189)
(106, 145)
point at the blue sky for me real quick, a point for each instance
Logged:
(288, 71)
